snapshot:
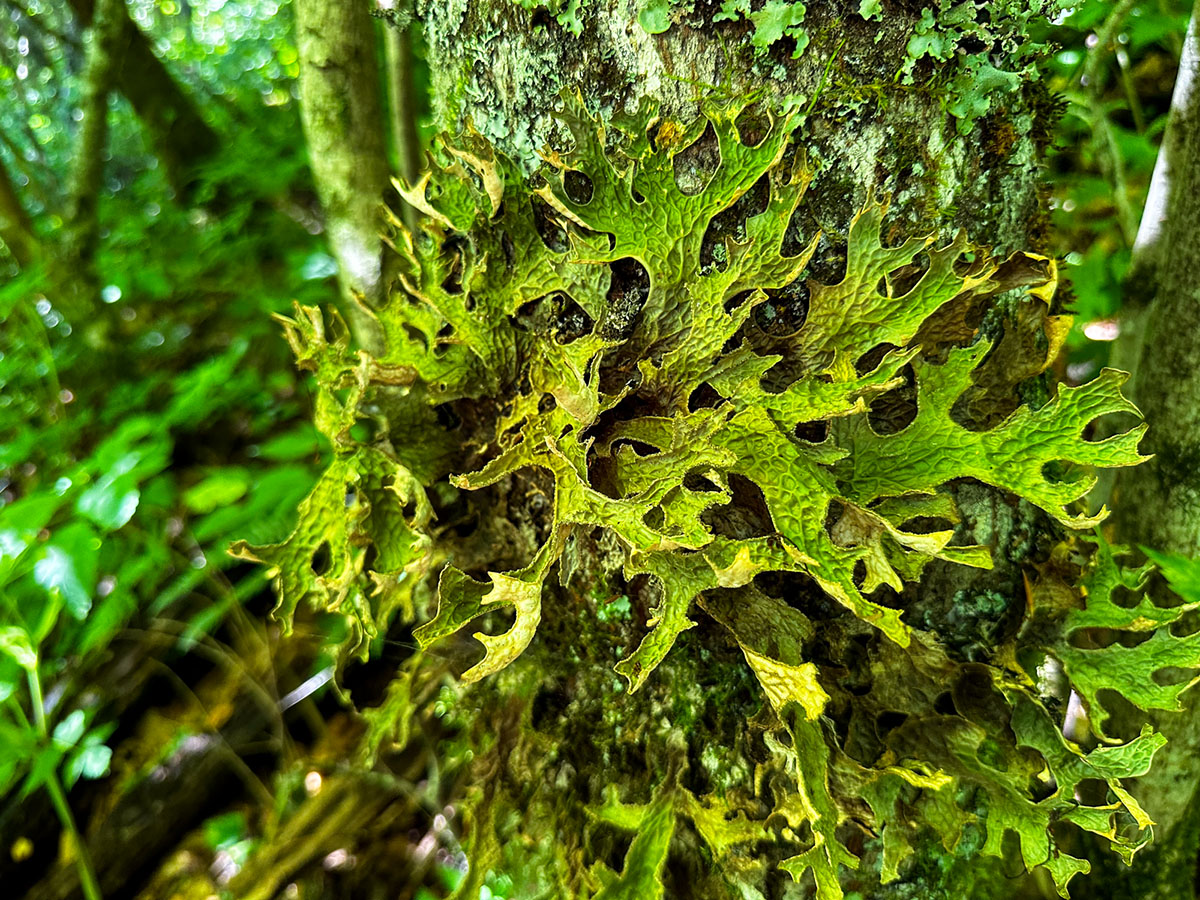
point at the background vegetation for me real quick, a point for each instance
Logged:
(150, 415)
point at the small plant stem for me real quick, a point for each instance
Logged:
(83, 860)
(38, 704)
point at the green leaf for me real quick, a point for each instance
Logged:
(1182, 573)
(303, 443)
(68, 732)
(67, 567)
(113, 499)
(220, 489)
(134, 452)
(15, 643)
(20, 523)
(225, 830)
(89, 762)
(17, 747)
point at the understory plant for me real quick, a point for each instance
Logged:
(620, 426)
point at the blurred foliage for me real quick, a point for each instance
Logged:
(149, 411)
(237, 59)
(1114, 71)
(142, 431)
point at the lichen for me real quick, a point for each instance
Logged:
(991, 50)
(773, 21)
(760, 488)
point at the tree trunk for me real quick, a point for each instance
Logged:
(402, 113)
(87, 165)
(177, 131)
(402, 101)
(1160, 501)
(343, 126)
(1158, 504)
(500, 69)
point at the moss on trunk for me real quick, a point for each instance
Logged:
(344, 129)
(501, 67)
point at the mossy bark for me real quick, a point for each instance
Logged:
(343, 126)
(499, 68)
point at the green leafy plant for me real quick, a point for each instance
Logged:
(51, 759)
(654, 364)
(138, 435)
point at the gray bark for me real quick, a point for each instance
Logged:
(343, 126)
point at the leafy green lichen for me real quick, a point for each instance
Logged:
(565, 12)
(617, 367)
(774, 20)
(992, 49)
(1098, 665)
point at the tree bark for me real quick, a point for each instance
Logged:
(500, 68)
(87, 165)
(343, 126)
(180, 136)
(402, 98)
(1158, 504)
(403, 113)
(1160, 501)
